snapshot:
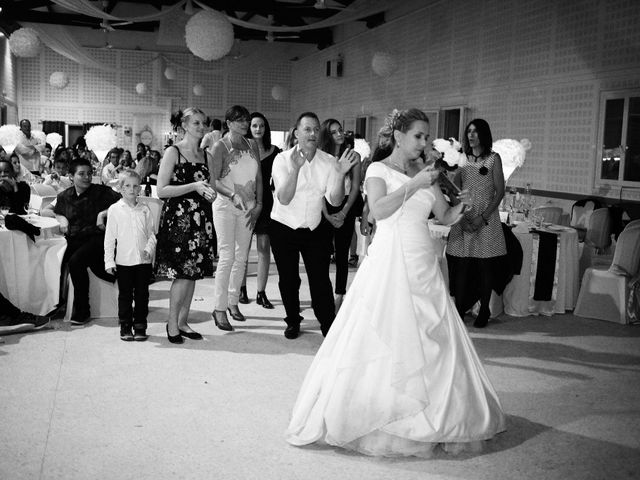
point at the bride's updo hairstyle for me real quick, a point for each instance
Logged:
(400, 120)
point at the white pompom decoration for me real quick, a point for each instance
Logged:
(362, 147)
(170, 73)
(198, 90)
(10, 135)
(54, 139)
(383, 64)
(39, 136)
(59, 80)
(279, 93)
(24, 42)
(141, 88)
(209, 35)
(512, 154)
(100, 139)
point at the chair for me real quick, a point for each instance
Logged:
(633, 224)
(604, 291)
(155, 205)
(597, 240)
(103, 298)
(581, 213)
(549, 214)
(39, 203)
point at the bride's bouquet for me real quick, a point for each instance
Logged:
(448, 156)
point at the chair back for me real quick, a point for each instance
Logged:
(549, 214)
(43, 190)
(599, 230)
(581, 212)
(633, 224)
(155, 205)
(626, 258)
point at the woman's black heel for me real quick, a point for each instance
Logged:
(261, 299)
(174, 338)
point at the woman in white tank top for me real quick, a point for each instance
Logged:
(236, 176)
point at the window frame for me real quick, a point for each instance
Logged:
(606, 95)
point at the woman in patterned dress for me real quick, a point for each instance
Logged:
(476, 246)
(235, 170)
(185, 237)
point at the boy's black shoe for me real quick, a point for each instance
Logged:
(140, 334)
(125, 333)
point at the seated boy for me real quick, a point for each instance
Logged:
(82, 211)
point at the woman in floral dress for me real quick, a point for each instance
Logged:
(185, 236)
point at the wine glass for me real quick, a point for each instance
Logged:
(4, 210)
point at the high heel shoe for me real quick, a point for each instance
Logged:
(191, 335)
(243, 298)
(174, 338)
(261, 299)
(236, 315)
(223, 323)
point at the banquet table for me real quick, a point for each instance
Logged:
(30, 271)
(518, 295)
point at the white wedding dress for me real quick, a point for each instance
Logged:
(397, 373)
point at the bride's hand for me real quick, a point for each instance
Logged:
(426, 177)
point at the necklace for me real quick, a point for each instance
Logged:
(476, 157)
(397, 167)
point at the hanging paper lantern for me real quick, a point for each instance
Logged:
(141, 88)
(383, 64)
(170, 73)
(209, 35)
(10, 135)
(24, 42)
(278, 92)
(54, 139)
(100, 139)
(198, 90)
(59, 80)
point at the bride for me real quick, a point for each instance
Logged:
(397, 374)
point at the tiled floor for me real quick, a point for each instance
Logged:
(78, 403)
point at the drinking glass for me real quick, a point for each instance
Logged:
(4, 210)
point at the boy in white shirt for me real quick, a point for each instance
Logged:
(130, 228)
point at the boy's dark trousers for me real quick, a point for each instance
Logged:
(133, 284)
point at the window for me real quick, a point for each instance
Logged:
(451, 122)
(618, 160)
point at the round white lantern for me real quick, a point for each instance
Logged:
(141, 88)
(59, 80)
(198, 90)
(170, 73)
(24, 42)
(279, 93)
(209, 35)
(383, 64)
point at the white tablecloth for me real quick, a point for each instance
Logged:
(517, 296)
(30, 271)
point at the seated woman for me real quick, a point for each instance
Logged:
(21, 173)
(13, 193)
